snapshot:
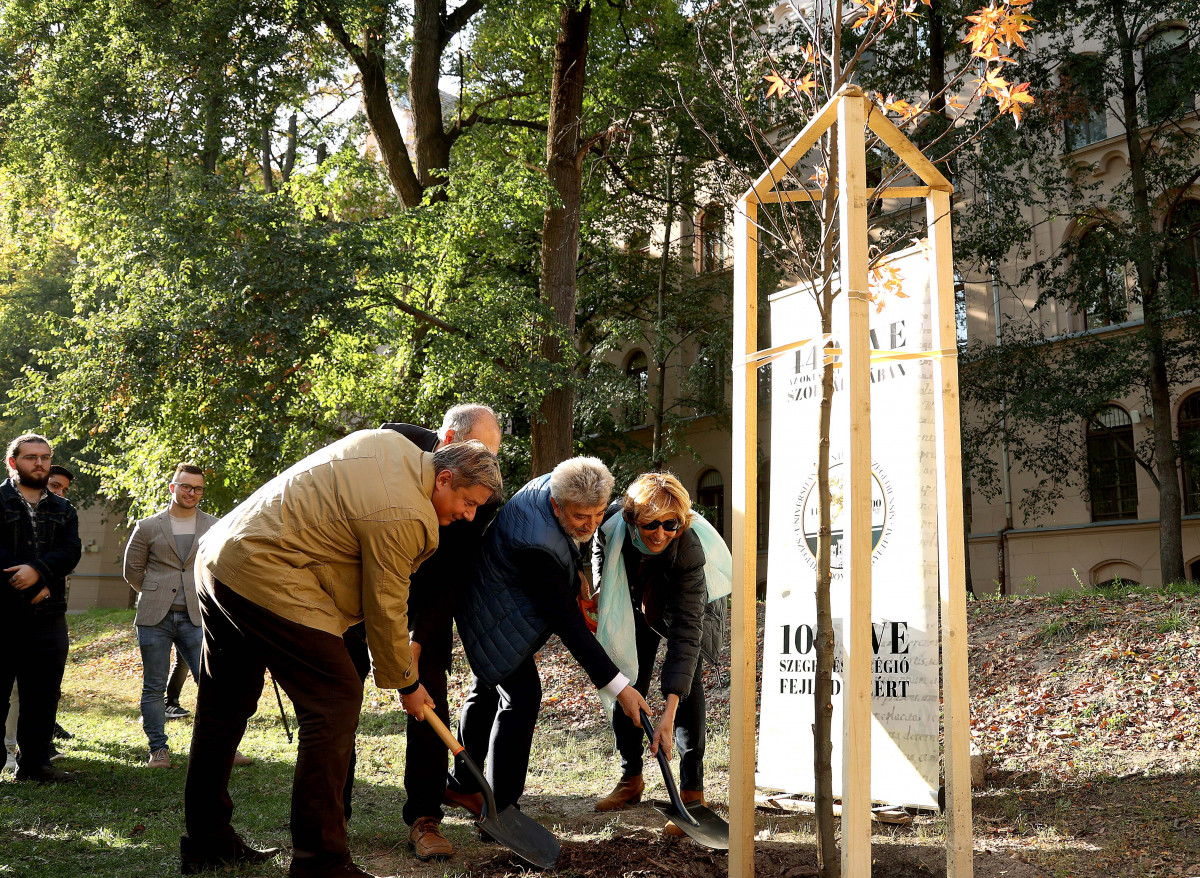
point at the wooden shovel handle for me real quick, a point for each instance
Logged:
(438, 726)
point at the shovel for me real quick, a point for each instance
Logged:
(518, 832)
(701, 824)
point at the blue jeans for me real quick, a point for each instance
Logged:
(155, 642)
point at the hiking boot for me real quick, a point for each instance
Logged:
(45, 774)
(62, 734)
(196, 856)
(160, 758)
(688, 797)
(427, 841)
(175, 711)
(240, 758)
(624, 794)
(472, 802)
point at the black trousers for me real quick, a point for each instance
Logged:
(315, 670)
(33, 651)
(497, 726)
(425, 761)
(178, 677)
(689, 717)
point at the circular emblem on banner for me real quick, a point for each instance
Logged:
(806, 517)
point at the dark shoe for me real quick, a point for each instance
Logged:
(345, 870)
(55, 755)
(174, 711)
(688, 797)
(62, 734)
(46, 774)
(427, 841)
(626, 793)
(472, 802)
(196, 856)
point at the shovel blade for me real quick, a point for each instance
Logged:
(708, 828)
(524, 836)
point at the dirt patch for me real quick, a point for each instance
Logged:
(651, 856)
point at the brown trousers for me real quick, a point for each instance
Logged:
(314, 669)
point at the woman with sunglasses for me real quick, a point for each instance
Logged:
(658, 570)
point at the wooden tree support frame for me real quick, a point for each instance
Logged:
(854, 113)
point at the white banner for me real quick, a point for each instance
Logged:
(904, 563)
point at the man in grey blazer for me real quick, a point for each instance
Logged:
(159, 567)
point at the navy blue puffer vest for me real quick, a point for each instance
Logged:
(499, 625)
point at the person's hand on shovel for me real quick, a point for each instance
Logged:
(664, 729)
(415, 702)
(632, 703)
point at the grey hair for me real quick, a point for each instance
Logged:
(463, 419)
(472, 464)
(582, 480)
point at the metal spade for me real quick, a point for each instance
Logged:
(701, 824)
(518, 832)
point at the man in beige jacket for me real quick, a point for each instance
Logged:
(328, 543)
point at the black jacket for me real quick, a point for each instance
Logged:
(54, 554)
(436, 587)
(670, 591)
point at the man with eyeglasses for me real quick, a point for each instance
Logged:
(159, 562)
(39, 547)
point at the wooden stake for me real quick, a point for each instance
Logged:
(744, 656)
(951, 545)
(854, 309)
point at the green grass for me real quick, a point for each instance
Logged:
(122, 819)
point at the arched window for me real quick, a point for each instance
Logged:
(1189, 447)
(764, 506)
(1183, 259)
(713, 249)
(1164, 70)
(1112, 469)
(1082, 79)
(1100, 274)
(637, 371)
(710, 499)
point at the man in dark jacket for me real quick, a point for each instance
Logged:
(525, 589)
(433, 597)
(39, 546)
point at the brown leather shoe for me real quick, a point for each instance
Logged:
(427, 841)
(472, 802)
(240, 758)
(688, 797)
(625, 793)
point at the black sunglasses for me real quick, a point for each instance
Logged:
(670, 525)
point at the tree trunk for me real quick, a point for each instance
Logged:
(551, 440)
(289, 155)
(657, 457)
(266, 160)
(432, 144)
(937, 57)
(828, 862)
(377, 103)
(1170, 499)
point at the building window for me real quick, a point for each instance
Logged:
(1189, 449)
(713, 248)
(1100, 273)
(710, 499)
(764, 506)
(637, 371)
(1112, 469)
(1086, 120)
(1164, 70)
(1183, 259)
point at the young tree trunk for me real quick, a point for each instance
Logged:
(1170, 499)
(551, 440)
(266, 160)
(828, 861)
(289, 155)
